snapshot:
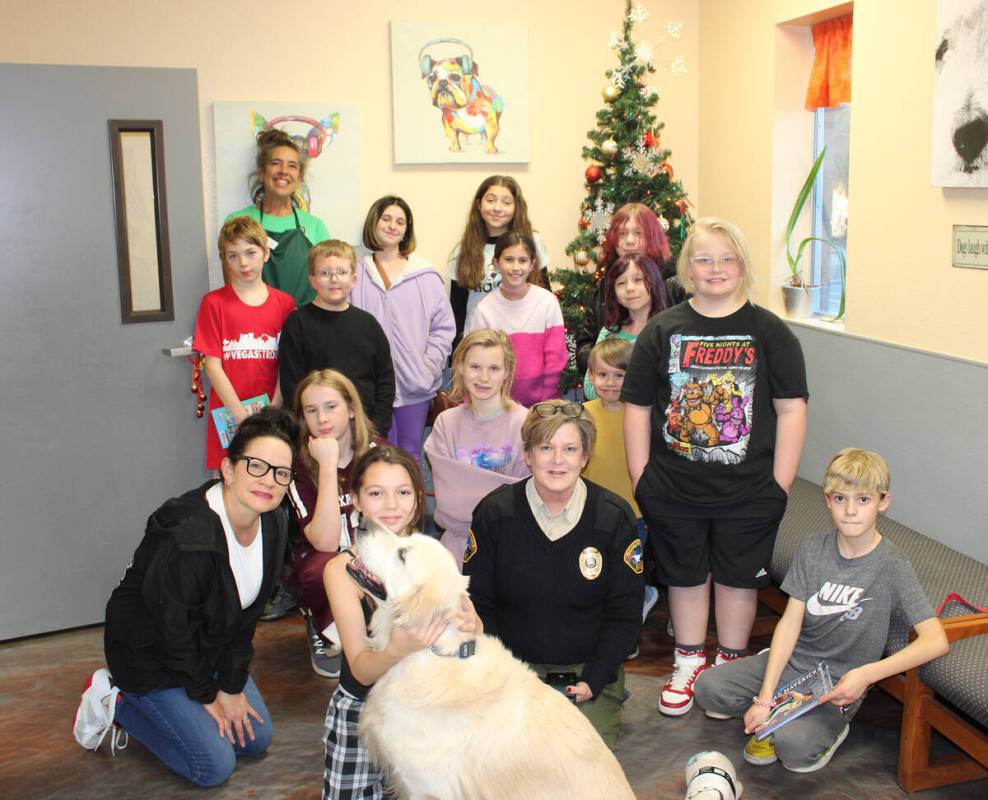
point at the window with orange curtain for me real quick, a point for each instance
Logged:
(830, 81)
(828, 97)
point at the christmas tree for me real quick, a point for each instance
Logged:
(627, 165)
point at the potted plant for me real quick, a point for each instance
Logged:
(800, 297)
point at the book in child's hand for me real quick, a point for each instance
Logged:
(226, 425)
(796, 698)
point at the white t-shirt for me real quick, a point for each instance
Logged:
(247, 563)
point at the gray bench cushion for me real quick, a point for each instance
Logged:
(961, 676)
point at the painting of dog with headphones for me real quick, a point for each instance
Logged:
(468, 107)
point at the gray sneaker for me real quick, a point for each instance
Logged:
(281, 602)
(325, 656)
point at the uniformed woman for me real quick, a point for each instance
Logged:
(555, 567)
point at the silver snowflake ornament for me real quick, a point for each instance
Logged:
(599, 216)
(638, 13)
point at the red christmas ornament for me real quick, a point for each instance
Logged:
(666, 167)
(584, 224)
(681, 205)
(649, 139)
(198, 362)
(593, 173)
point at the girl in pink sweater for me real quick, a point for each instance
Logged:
(530, 316)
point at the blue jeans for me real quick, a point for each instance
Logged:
(180, 732)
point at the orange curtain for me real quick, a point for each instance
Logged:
(830, 81)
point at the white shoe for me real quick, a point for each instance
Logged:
(676, 698)
(94, 717)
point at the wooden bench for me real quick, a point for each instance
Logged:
(950, 694)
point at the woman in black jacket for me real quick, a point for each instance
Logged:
(180, 623)
(555, 567)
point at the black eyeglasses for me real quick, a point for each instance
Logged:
(571, 410)
(258, 467)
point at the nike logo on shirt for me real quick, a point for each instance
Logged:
(817, 609)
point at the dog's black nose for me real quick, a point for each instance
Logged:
(970, 139)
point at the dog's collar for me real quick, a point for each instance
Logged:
(465, 650)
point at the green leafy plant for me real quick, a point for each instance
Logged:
(795, 268)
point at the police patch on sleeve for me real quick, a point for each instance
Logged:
(471, 549)
(591, 563)
(633, 557)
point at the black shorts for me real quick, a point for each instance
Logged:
(732, 542)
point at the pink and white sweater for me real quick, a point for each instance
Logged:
(535, 326)
(470, 458)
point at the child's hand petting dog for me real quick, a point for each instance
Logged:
(467, 617)
(405, 641)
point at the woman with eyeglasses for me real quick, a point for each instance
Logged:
(556, 570)
(179, 624)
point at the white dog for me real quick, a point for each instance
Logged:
(466, 719)
(960, 105)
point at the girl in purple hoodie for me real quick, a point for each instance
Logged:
(407, 296)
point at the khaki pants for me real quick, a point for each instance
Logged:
(603, 711)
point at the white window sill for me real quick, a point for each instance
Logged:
(820, 323)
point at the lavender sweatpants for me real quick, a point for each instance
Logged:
(407, 427)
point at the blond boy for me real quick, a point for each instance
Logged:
(843, 587)
(330, 333)
(608, 465)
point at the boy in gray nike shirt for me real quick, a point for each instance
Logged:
(843, 587)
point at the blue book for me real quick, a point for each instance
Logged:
(796, 698)
(226, 425)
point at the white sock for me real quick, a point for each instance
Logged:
(330, 634)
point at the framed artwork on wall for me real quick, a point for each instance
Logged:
(459, 93)
(960, 133)
(330, 135)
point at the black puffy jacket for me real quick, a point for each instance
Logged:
(174, 619)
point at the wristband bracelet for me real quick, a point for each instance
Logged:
(759, 702)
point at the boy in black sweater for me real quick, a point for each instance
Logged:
(329, 333)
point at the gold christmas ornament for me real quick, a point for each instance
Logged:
(609, 147)
(581, 258)
(610, 92)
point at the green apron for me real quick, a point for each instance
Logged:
(288, 266)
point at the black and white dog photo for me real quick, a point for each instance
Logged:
(960, 98)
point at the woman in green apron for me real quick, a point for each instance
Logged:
(276, 188)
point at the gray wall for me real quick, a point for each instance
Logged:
(926, 414)
(97, 426)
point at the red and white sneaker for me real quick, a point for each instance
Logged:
(94, 717)
(677, 695)
(726, 658)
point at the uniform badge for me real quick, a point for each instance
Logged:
(471, 549)
(591, 563)
(633, 557)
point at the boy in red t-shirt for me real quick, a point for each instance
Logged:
(238, 327)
